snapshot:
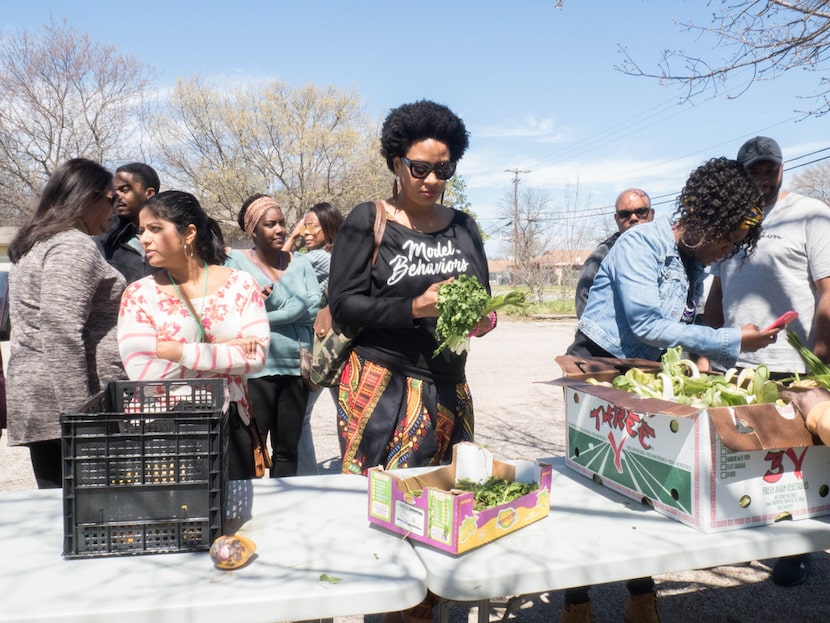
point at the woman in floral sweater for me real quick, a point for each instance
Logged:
(195, 318)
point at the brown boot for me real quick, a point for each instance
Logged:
(576, 613)
(641, 608)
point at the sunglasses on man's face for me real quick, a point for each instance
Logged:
(420, 169)
(624, 215)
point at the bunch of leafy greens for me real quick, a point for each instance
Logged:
(462, 303)
(679, 380)
(494, 491)
(819, 371)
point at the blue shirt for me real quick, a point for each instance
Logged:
(636, 304)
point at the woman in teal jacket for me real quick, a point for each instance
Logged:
(292, 295)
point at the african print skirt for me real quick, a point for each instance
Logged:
(389, 419)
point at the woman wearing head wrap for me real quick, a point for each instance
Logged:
(292, 296)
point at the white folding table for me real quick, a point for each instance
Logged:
(594, 535)
(317, 557)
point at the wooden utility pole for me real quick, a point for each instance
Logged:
(516, 178)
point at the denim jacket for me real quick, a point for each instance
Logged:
(635, 306)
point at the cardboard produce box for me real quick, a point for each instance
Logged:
(714, 469)
(423, 508)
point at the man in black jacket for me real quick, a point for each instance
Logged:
(632, 207)
(134, 184)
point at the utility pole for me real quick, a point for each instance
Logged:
(516, 173)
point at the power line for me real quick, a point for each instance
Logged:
(607, 210)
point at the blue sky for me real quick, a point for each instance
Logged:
(536, 86)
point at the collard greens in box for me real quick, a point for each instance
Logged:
(714, 469)
(423, 507)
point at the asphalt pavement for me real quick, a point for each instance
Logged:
(519, 415)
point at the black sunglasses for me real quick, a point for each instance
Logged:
(420, 169)
(626, 214)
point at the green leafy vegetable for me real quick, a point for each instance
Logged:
(679, 380)
(331, 579)
(820, 372)
(495, 491)
(462, 303)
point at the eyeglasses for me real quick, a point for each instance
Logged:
(624, 215)
(420, 169)
(310, 229)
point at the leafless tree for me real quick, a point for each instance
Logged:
(301, 145)
(532, 236)
(770, 37)
(62, 95)
(813, 182)
(576, 227)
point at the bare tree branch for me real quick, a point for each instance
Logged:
(61, 96)
(301, 145)
(770, 37)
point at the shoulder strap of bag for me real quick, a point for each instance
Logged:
(380, 228)
(324, 320)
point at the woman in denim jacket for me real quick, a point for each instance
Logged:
(646, 291)
(645, 295)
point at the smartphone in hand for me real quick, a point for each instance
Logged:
(782, 321)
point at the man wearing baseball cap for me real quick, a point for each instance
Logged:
(790, 270)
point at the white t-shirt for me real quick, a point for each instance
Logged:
(792, 253)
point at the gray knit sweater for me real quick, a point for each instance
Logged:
(64, 300)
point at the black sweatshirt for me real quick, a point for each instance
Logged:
(379, 298)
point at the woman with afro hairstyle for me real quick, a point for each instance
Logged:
(646, 292)
(398, 405)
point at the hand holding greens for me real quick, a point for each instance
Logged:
(462, 303)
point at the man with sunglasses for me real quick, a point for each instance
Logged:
(632, 207)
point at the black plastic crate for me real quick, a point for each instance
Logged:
(144, 469)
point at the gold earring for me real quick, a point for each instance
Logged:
(395, 189)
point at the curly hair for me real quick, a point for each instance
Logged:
(419, 121)
(715, 201)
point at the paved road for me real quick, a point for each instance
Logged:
(519, 416)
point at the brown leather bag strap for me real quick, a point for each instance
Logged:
(379, 229)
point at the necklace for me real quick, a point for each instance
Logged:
(266, 271)
(200, 335)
